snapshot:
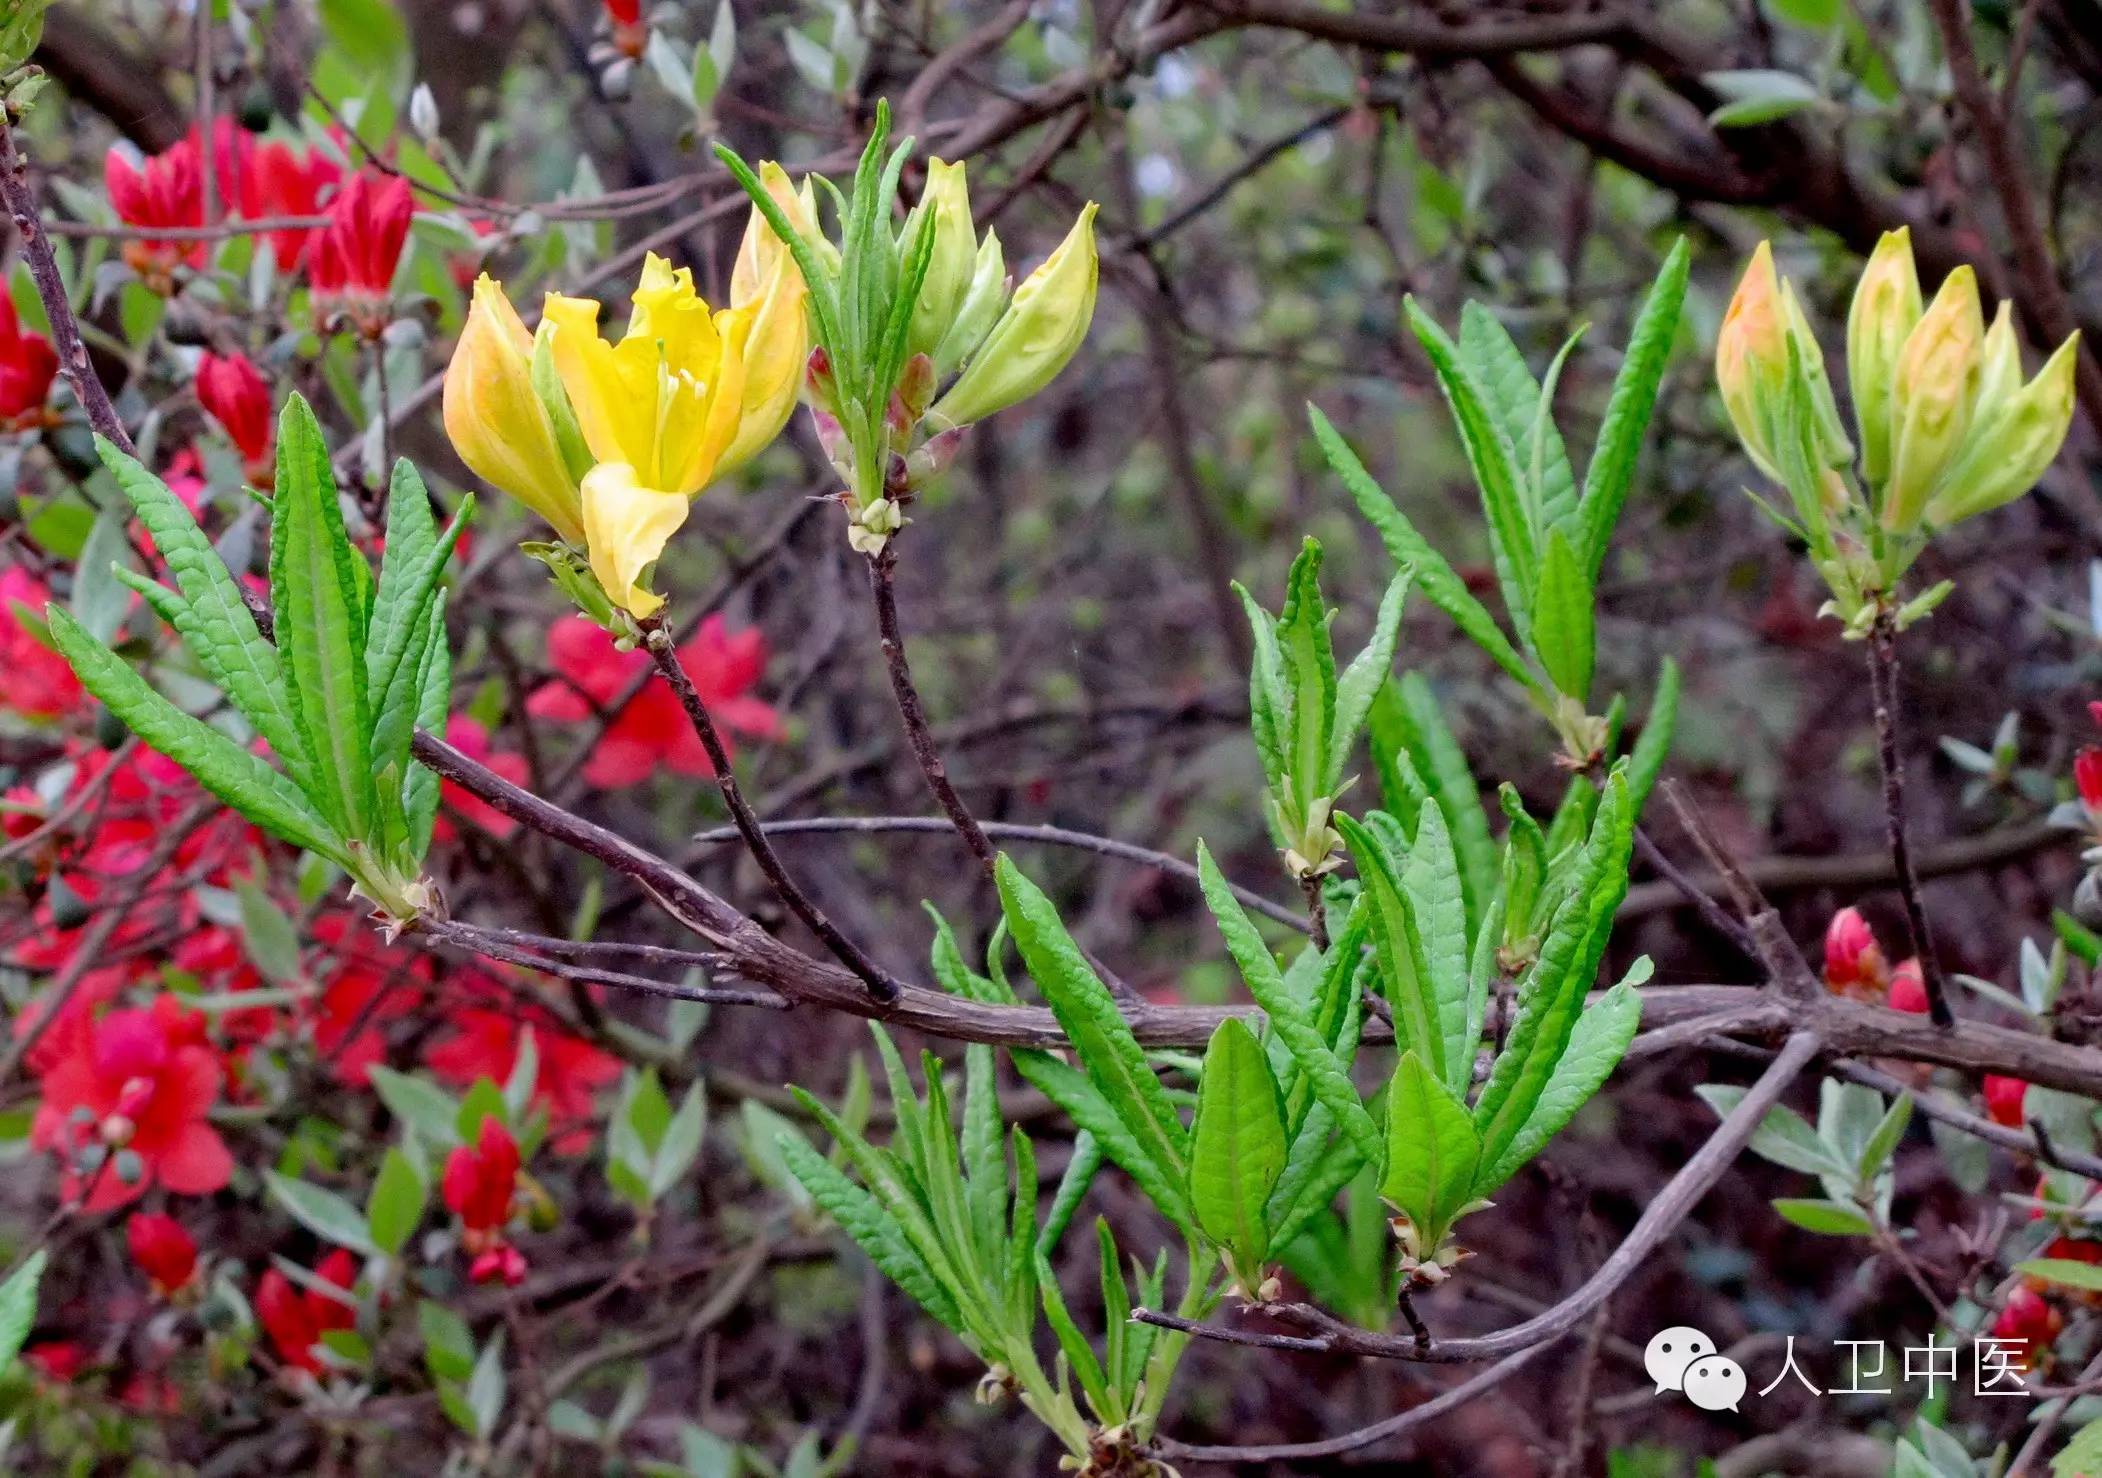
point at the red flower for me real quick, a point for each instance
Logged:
(1854, 963)
(631, 34)
(28, 364)
(289, 183)
(479, 1183)
(472, 740)
(163, 1250)
(624, 12)
(165, 189)
(351, 261)
(484, 1043)
(233, 390)
(1908, 988)
(2030, 1324)
(652, 731)
(2003, 1100)
(140, 1081)
(34, 679)
(296, 1318)
(57, 1361)
(218, 959)
(370, 984)
(2087, 777)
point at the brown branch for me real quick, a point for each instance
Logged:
(1883, 684)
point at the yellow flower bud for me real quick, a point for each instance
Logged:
(984, 296)
(1035, 337)
(1933, 395)
(1751, 357)
(759, 248)
(626, 527)
(2013, 439)
(776, 352)
(1885, 309)
(496, 421)
(954, 253)
(1831, 445)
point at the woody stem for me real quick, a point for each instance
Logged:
(882, 570)
(1883, 688)
(658, 640)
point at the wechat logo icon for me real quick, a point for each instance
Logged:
(1684, 1359)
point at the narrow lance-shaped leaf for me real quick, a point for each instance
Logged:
(1329, 1083)
(1653, 746)
(1429, 1014)
(1237, 1145)
(1440, 582)
(1562, 619)
(321, 622)
(1596, 1045)
(1432, 1150)
(221, 766)
(872, 1229)
(1612, 469)
(1269, 698)
(1310, 673)
(1367, 673)
(1495, 465)
(1522, 409)
(1438, 908)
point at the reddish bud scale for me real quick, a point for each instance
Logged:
(1908, 988)
(2030, 1324)
(1854, 963)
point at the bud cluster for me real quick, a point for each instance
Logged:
(919, 332)
(1947, 427)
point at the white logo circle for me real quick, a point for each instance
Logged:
(1671, 1351)
(1714, 1383)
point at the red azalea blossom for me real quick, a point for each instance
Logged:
(631, 34)
(295, 1318)
(164, 1252)
(480, 1178)
(472, 740)
(1854, 963)
(236, 395)
(28, 364)
(351, 261)
(34, 680)
(291, 182)
(57, 1361)
(484, 1043)
(165, 189)
(2003, 1100)
(137, 1080)
(371, 984)
(2030, 1324)
(652, 731)
(2087, 777)
(1908, 988)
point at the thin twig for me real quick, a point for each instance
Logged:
(659, 642)
(1883, 683)
(882, 585)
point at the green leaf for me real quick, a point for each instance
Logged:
(1269, 698)
(1562, 619)
(268, 934)
(401, 623)
(1522, 412)
(1783, 1136)
(1884, 1141)
(1551, 997)
(1310, 675)
(321, 622)
(1757, 95)
(1596, 1045)
(1288, 1014)
(1628, 409)
(214, 622)
(100, 600)
(1414, 721)
(680, 1144)
(1495, 462)
(1653, 746)
(1317, 1168)
(1072, 1187)
(321, 1211)
(1408, 548)
(18, 1305)
(1089, 1016)
(1429, 1014)
(2081, 1454)
(419, 1103)
(1237, 1144)
(1089, 1108)
(1827, 1218)
(420, 788)
(874, 1230)
(1438, 909)
(2085, 1276)
(1433, 1150)
(20, 29)
(221, 766)
(398, 1198)
(1367, 674)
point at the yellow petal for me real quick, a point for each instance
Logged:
(495, 420)
(618, 418)
(626, 527)
(1885, 309)
(1933, 396)
(760, 247)
(1036, 336)
(774, 353)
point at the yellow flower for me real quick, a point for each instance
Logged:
(626, 527)
(2017, 431)
(1034, 338)
(1933, 395)
(497, 422)
(951, 259)
(1751, 356)
(1885, 309)
(759, 247)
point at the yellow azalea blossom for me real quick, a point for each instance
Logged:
(1035, 337)
(497, 422)
(1933, 396)
(626, 526)
(1751, 355)
(1885, 310)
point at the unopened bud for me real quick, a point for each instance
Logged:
(1751, 357)
(1933, 397)
(1036, 336)
(987, 294)
(952, 254)
(1885, 310)
(2013, 439)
